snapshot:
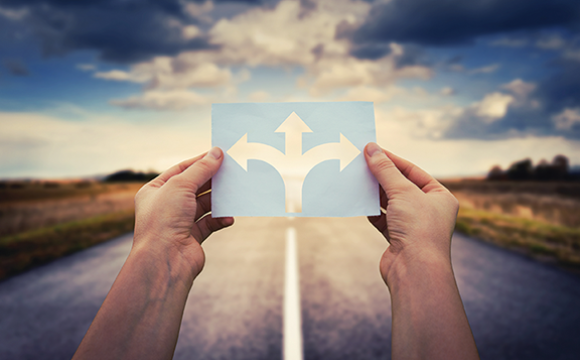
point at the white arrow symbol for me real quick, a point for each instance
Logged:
(298, 164)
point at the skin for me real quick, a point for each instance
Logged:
(141, 316)
(429, 321)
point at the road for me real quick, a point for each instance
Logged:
(518, 308)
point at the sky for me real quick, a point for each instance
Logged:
(91, 87)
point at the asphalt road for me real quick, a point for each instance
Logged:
(518, 308)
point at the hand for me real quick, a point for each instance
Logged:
(171, 211)
(419, 215)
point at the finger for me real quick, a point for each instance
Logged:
(203, 205)
(208, 225)
(204, 188)
(384, 201)
(174, 170)
(195, 176)
(379, 222)
(414, 173)
(386, 172)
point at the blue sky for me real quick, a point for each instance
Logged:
(90, 87)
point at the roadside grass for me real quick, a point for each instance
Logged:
(25, 250)
(540, 240)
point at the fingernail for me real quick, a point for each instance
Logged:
(215, 153)
(373, 149)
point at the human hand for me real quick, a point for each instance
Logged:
(419, 215)
(171, 213)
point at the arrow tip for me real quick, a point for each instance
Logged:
(347, 152)
(293, 123)
(238, 152)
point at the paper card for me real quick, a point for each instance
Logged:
(294, 159)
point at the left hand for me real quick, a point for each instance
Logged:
(171, 211)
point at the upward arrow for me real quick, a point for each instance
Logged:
(293, 127)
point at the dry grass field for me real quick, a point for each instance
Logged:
(540, 219)
(42, 221)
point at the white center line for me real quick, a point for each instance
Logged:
(292, 314)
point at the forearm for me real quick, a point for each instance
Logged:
(141, 315)
(429, 321)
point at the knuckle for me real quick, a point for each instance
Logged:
(384, 165)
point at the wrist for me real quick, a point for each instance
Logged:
(164, 260)
(409, 268)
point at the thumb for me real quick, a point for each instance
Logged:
(204, 169)
(385, 171)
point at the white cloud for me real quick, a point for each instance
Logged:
(13, 14)
(117, 75)
(567, 119)
(259, 96)
(367, 93)
(493, 106)
(520, 88)
(485, 69)
(281, 36)
(163, 100)
(551, 42)
(190, 32)
(39, 145)
(403, 132)
(447, 91)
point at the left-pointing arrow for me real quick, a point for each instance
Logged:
(243, 150)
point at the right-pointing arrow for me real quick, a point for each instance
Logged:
(344, 151)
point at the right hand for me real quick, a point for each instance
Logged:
(419, 215)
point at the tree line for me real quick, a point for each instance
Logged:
(524, 170)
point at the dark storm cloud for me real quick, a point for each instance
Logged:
(448, 22)
(534, 115)
(16, 67)
(422, 24)
(120, 31)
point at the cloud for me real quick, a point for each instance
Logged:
(493, 106)
(520, 88)
(284, 35)
(16, 68)
(449, 22)
(567, 119)
(120, 31)
(413, 135)
(512, 42)
(259, 96)
(86, 67)
(38, 145)
(485, 69)
(163, 100)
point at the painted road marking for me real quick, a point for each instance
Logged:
(292, 314)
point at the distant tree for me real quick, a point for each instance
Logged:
(496, 173)
(129, 176)
(561, 166)
(521, 170)
(558, 170)
(543, 171)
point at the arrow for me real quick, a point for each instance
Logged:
(344, 151)
(293, 127)
(242, 150)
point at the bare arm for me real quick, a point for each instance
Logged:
(429, 321)
(141, 316)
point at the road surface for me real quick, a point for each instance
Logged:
(518, 308)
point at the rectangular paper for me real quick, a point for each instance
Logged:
(294, 159)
